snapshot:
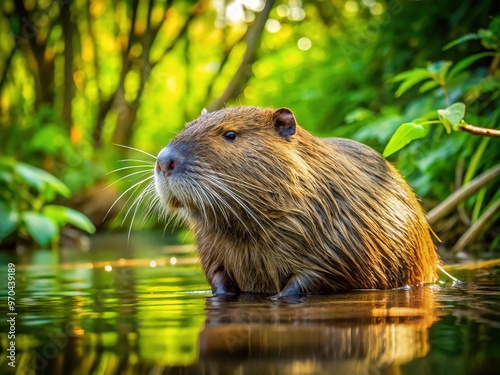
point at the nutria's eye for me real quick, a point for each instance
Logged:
(229, 136)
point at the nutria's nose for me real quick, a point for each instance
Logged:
(169, 161)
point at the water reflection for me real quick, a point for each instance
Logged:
(135, 317)
(360, 332)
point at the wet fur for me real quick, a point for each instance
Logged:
(330, 214)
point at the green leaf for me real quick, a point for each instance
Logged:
(428, 86)
(41, 180)
(488, 38)
(465, 63)
(409, 73)
(403, 135)
(65, 215)
(440, 68)
(452, 116)
(358, 114)
(9, 219)
(420, 120)
(409, 79)
(40, 227)
(460, 40)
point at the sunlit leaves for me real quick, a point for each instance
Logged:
(41, 228)
(460, 40)
(405, 133)
(23, 209)
(41, 180)
(465, 63)
(439, 69)
(409, 79)
(452, 116)
(449, 117)
(434, 75)
(64, 215)
(9, 219)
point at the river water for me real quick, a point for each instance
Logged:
(149, 310)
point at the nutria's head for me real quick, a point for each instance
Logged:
(229, 167)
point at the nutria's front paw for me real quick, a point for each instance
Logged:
(292, 288)
(223, 285)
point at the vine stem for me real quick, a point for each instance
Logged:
(476, 130)
(445, 92)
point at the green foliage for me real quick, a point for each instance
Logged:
(24, 194)
(439, 74)
(455, 79)
(406, 133)
(450, 118)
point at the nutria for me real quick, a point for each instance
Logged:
(277, 210)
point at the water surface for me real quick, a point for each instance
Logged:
(149, 310)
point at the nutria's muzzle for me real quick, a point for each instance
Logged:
(172, 159)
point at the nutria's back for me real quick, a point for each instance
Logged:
(277, 210)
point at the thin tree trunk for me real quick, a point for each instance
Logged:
(41, 65)
(117, 96)
(445, 207)
(69, 87)
(244, 72)
(5, 72)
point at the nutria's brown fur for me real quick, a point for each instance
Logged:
(278, 210)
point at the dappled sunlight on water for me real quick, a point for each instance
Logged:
(149, 315)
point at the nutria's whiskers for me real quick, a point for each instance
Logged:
(221, 201)
(141, 173)
(135, 149)
(145, 169)
(136, 187)
(215, 183)
(149, 190)
(137, 161)
(233, 180)
(154, 206)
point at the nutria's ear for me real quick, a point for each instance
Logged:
(284, 123)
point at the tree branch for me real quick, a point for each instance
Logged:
(3, 78)
(445, 207)
(479, 226)
(43, 67)
(225, 59)
(178, 37)
(68, 64)
(106, 104)
(476, 130)
(244, 72)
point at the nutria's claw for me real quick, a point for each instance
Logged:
(291, 289)
(222, 285)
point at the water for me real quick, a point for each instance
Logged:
(150, 312)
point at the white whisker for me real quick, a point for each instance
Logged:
(137, 161)
(135, 149)
(125, 192)
(130, 167)
(137, 203)
(236, 198)
(229, 207)
(129, 175)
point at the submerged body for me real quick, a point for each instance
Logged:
(277, 210)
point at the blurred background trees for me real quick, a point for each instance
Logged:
(78, 76)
